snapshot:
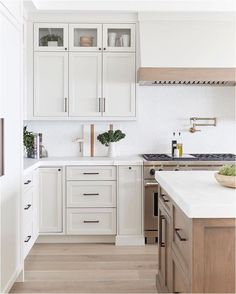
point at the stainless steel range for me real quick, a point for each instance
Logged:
(165, 162)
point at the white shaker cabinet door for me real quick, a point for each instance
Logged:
(50, 200)
(85, 84)
(119, 84)
(130, 200)
(50, 84)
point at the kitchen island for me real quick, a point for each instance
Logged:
(196, 233)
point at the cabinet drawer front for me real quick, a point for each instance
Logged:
(28, 199)
(165, 200)
(28, 238)
(91, 194)
(180, 284)
(86, 173)
(182, 235)
(27, 182)
(91, 221)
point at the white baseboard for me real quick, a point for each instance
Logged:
(12, 280)
(130, 240)
(75, 239)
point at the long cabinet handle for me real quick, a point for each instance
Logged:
(162, 244)
(90, 173)
(91, 222)
(177, 232)
(99, 104)
(104, 105)
(65, 104)
(91, 194)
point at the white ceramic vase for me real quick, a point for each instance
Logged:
(111, 150)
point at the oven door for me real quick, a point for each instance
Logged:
(151, 208)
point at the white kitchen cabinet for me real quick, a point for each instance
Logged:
(119, 84)
(85, 72)
(50, 200)
(91, 221)
(50, 84)
(85, 37)
(91, 193)
(130, 200)
(50, 37)
(119, 37)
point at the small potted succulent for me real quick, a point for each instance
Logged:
(227, 176)
(109, 138)
(51, 40)
(28, 138)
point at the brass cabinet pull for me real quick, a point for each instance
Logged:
(91, 222)
(179, 236)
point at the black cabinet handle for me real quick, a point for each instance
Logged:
(99, 48)
(65, 48)
(104, 48)
(27, 207)
(91, 194)
(90, 173)
(27, 183)
(91, 222)
(162, 244)
(59, 169)
(179, 236)
(27, 239)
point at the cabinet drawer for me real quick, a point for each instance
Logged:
(28, 238)
(165, 199)
(180, 284)
(182, 231)
(91, 221)
(28, 199)
(91, 194)
(27, 182)
(88, 173)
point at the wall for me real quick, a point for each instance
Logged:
(160, 111)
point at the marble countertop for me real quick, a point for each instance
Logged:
(198, 193)
(31, 164)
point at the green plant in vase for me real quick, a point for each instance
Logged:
(28, 139)
(109, 138)
(51, 38)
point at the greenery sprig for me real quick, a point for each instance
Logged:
(228, 170)
(28, 140)
(110, 137)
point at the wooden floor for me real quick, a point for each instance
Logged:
(89, 268)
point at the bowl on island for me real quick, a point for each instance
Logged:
(227, 176)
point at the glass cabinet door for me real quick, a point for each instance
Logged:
(50, 37)
(85, 37)
(119, 37)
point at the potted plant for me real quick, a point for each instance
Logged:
(227, 176)
(51, 40)
(109, 138)
(28, 138)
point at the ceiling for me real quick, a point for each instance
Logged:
(134, 5)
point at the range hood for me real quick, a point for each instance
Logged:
(186, 76)
(178, 49)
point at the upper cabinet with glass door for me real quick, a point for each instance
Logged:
(119, 37)
(50, 37)
(85, 37)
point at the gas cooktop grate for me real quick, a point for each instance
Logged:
(198, 156)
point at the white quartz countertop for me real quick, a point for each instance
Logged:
(31, 164)
(198, 193)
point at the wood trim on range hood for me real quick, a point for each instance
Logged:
(186, 76)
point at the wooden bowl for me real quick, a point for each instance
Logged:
(227, 181)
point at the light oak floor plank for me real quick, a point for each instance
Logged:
(89, 268)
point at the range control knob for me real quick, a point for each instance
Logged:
(160, 169)
(152, 172)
